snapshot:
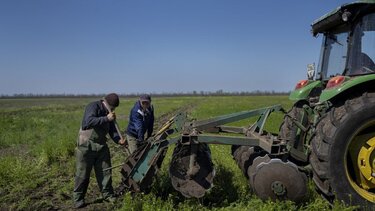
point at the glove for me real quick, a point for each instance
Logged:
(111, 116)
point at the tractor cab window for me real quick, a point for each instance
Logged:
(362, 50)
(334, 54)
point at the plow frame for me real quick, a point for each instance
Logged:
(140, 167)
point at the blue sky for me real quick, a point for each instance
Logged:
(123, 46)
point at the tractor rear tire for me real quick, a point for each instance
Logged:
(345, 134)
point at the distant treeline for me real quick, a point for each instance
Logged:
(164, 94)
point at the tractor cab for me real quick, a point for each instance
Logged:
(347, 53)
(348, 47)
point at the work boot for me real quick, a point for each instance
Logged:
(79, 204)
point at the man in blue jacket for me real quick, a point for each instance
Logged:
(141, 121)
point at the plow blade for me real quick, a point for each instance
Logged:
(277, 180)
(270, 178)
(191, 170)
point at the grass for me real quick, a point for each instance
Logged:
(37, 163)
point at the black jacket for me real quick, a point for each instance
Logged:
(95, 117)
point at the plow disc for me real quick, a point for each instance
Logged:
(191, 170)
(245, 156)
(274, 179)
(270, 178)
(251, 171)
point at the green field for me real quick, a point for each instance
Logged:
(37, 163)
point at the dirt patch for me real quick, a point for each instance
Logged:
(23, 150)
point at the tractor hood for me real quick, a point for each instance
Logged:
(335, 18)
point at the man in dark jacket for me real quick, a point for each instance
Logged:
(141, 121)
(92, 150)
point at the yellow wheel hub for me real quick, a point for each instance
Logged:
(366, 164)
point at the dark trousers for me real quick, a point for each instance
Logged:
(87, 159)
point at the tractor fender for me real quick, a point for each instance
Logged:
(328, 94)
(304, 92)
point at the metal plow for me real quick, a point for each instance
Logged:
(260, 156)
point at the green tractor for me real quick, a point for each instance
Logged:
(332, 123)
